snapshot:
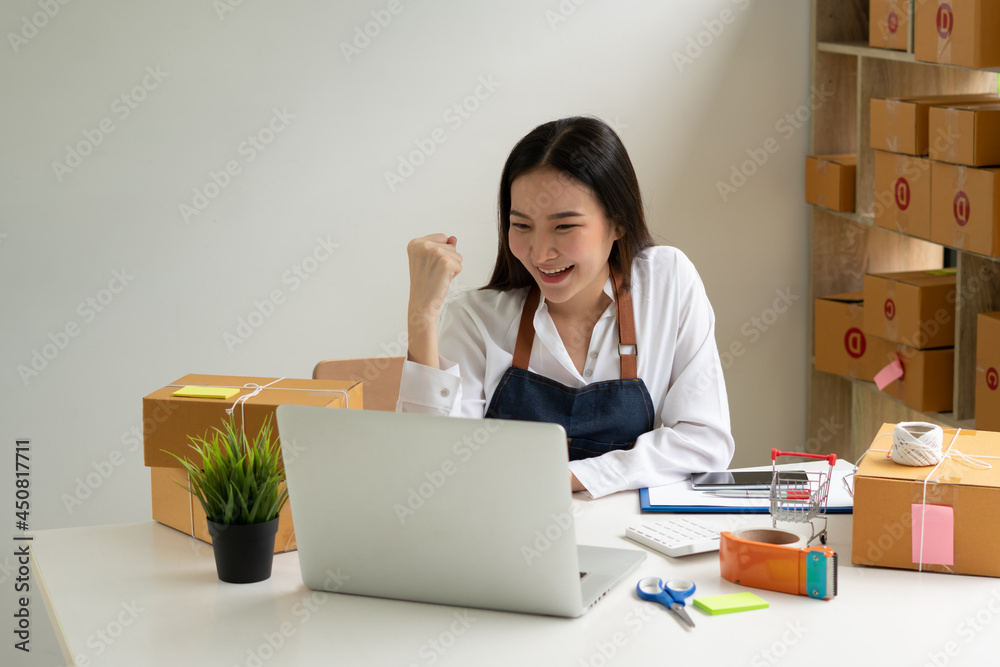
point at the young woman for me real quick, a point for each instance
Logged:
(584, 322)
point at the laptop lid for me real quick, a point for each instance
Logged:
(467, 512)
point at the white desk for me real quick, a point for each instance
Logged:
(154, 595)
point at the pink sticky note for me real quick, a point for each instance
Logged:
(939, 528)
(889, 374)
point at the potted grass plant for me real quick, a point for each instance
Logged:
(239, 483)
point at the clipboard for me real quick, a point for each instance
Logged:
(679, 497)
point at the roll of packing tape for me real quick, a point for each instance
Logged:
(777, 560)
(772, 536)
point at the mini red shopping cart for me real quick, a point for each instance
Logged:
(799, 500)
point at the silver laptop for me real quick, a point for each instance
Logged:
(467, 512)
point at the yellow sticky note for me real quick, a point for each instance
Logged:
(727, 604)
(194, 391)
(943, 272)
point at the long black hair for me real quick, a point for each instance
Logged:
(590, 153)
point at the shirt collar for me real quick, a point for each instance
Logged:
(608, 289)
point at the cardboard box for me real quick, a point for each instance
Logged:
(173, 506)
(830, 181)
(957, 32)
(973, 134)
(900, 125)
(928, 379)
(903, 193)
(888, 24)
(841, 346)
(965, 208)
(915, 308)
(988, 372)
(890, 505)
(168, 421)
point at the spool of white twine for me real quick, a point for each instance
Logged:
(917, 444)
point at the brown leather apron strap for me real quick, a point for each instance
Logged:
(526, 330)
(626, 329)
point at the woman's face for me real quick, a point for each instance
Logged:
(560, 234)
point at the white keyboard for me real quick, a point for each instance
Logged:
(676, 537)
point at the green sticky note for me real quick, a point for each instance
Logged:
(727, 604)
(194, 391)
(943, 272)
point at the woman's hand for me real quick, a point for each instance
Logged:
(434, 263)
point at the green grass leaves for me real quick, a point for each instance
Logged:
(240, 482)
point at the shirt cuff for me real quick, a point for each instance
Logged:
(429, 390)
(598, 477)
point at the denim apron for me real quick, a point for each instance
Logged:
(600, 417)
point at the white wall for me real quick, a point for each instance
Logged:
(65, 235)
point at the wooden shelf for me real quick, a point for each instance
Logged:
(853, 216)
(844, 414)
(869, 221)
(863, 50)
(943, 418)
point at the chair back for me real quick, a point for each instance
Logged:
(380, 377)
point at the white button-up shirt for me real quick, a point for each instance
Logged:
(677, 360)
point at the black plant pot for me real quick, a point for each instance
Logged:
(243, 553)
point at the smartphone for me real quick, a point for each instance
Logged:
(743, 480)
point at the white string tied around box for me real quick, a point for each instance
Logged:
(241, 401)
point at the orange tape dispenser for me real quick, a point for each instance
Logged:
(769, 559)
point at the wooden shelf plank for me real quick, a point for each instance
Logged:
(862, 49)
(942, 418)
(864, 220)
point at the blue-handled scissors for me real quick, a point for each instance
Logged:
(671, 595)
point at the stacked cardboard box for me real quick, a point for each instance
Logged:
(988, 372)
(942, 127)
(889, 24)
(830, 181)
(169, 421)
(903, 193)
(965, 196)
(841, 345)
(915, 311)
(901, 125)
(957, 32)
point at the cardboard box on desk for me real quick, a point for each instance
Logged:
(900, 125)
(928, 379)
(174, 506)
(973, 134)
(170, 420)
(957, 512)
(841, 346)
(915, 308)
(830, 181)
(957, 32)
(903, 193)
(888, 24)
(965, 208)
(988, 372)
